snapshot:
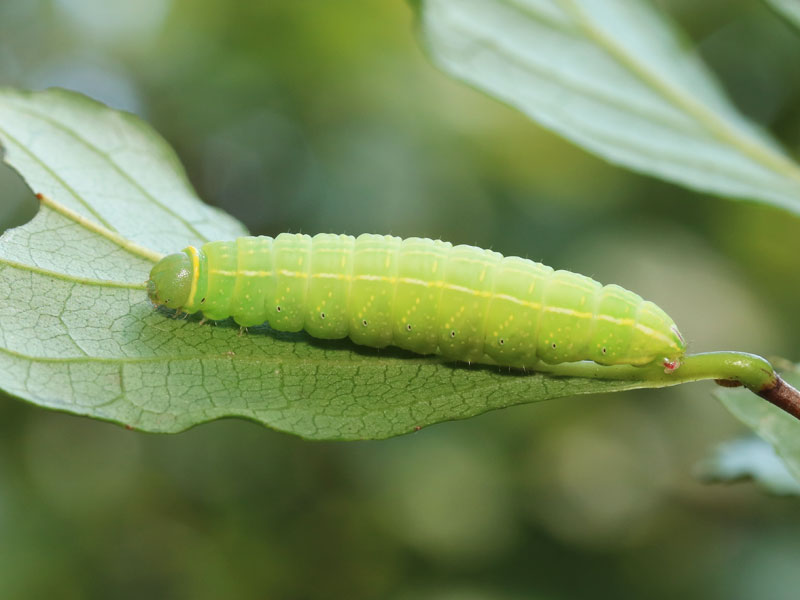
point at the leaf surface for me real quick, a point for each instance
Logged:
(77, 332)
(772, 424)
(753, 458)
(789, 9)
(617, 79)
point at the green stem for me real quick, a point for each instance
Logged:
(729, 369)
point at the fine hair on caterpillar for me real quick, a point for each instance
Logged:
(426, 296)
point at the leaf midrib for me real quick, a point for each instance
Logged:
(761, 154)
(684, 101)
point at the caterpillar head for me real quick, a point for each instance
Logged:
(170, 281)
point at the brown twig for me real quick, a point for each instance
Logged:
(782, 395)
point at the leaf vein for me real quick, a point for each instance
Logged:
(112, 236)
(58, 178)
(121, 171)
(72, 278)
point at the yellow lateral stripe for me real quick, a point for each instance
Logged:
(195, 256)
(332, 250)
(448, 286)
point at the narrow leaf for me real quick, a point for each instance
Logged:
(617, 79)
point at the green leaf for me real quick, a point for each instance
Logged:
(108, 167)
(772, 424)
(749, 458)
(789, 9)
(77, 332)
(617, 79)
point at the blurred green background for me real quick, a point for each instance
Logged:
(325, 116)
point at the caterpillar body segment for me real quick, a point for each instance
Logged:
(427, 296)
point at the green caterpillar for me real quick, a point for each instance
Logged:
(427, 296)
